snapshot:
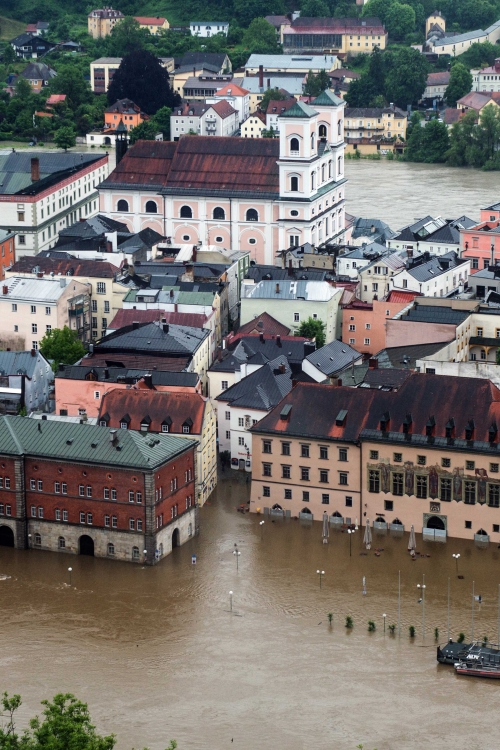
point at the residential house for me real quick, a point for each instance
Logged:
(37, 29)
(349, 263)
(436, 86)
(106, 292)
(243, 404)
(254, 126)
(123, 110)
(333, 36)
(400, 456)
(80, 388)
(308, 257)
(433, 276)
(455, 44)
(256, 85)
(179, 413)
(481, 242)
(329, 362)
(293, 302)
(219, 119)
(203, 86)
(477, 101)
(256, 195)
(7, 251)
(482, 282)
(185, 119)
(436, 19)
(364, 323)
(43, 192)
(38, 76)
(263, 323)
(370, 230)
(236, 96)
(429, 320)
(290, 64)
(199, 65)
(26, 381)
(102, 21)
(208, 28)
(374, 279)
(366, 126)
(31, 45)
(135, 503)
(30, 307)
(488, 79)
(154, 25)
(284, 272)
(275, 109)
(435, 235)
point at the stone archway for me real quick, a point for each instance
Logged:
(176, 539)
(435, 522)
(86, 545)
(6, 536)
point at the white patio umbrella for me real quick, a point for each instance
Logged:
(367, 539)
(326, 528)
(412, 542)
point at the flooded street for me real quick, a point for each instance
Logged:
(400, 192)
(157, 655)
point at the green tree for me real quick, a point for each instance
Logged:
(162, 122)
(271, 95)
(378, 8)
(62, 346)
(406, 78)
(145, 131)
(142, 78)
(316, 83)
(364, 91)
(65, 137)
(246, 10)
(126, 37)
(260, 37)
(461, 140)
(23, 90)
(400, 20)
(429, 144)
(315, 9)
(313, 328)
(70, 81)
(479, 55)
(460, 84)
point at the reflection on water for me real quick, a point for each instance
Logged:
(400, 192)
(157, 654)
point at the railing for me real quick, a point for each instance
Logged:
(434, 535)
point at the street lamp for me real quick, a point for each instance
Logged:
(145, 552)
(236, 553)
(230, 601)
(70, 570)
(261, 524)
(321, 573)
(456, 556)
(384, 616)
(350, 532)
(423, 587)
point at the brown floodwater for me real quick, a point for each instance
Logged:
(157, 655)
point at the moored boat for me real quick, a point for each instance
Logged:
(454, 652)
(478, 669)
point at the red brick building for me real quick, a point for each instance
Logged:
(7, 251)
(90, 490)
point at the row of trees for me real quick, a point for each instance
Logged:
(472, 142)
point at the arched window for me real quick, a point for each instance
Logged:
(186, 212)
(111, 549)
(323, 173)
(61, 542)
(219, 213)
(322, 131)
(312, 141)
(252, 215)
(294, 146)
(38, 540)
(330, 168)
(294, 184)
(135, 553)
(122, 205)
(313, 175)
(151, 207)
(339, 130)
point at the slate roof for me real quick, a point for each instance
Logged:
(262, 389)
(128, 317)
(364, 228)
(176, 407)
(152, 339)
(333, 358)
(137, 361)
(278, 106)
(375, 112)
(93, 227)
(251, 350)
(60, 267)
(200, 58)
(468, 36)
(290, 62)
(190, 109)
(12, 362)
(264, 323)
(124, 107)
(435, 266)
(38, 71)
(85, 443)
(127, 375)
(348, 25)
(422, 313)
(15, 169)
(405, 357)
(260, 272)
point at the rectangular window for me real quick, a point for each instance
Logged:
(325, 499)
(288, 494)
(101, 287)
(470, 465)
(8, 510)
(266, 470)
(348, 501)
(57, 487)
(304, 473)
(285, 449)
(305, 496)
(228, 434)
(33, 511)
(33, 309)
(343, 478)
(138, 495)
(106, 520)
(374, 455)
(446, 462)
(304, 451)
(113, 494)
(323, 475)
(323, 452)
(89, 519)
(470, 493)
(224, 385)
(34, 328)
(47, 311)
(342, 454)
(421, 487)
(106, 493)
(494, 468)
(131, 524)
(40, 485)
(398, 457)
(81, 490)
(421, 460)
(58, 514)
(131, 496)
(266, 491)
(32, 484)
(114, 522)
(494, 495)
(65, 515)
(64, 488)
(397, 483)
(468, 524)
(296, 317)
(445, 490)
(228, 415)
(82, 517)
(14, 307)
(7, 483)
(266, 446)
(286, 472)
(241, 422)
(374, 480)
(388, 505)
(241, 441)
(89, 490)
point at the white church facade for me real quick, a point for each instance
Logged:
(257, 195)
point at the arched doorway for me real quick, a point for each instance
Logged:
(434, 522)
(107, 140)
(6, 536)
(86, 545)
(176, 539)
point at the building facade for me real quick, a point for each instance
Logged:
(154, 25)
(348, 36)
(102, 21)
(208, 28)
(7, 251)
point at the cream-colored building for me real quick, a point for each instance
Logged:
(374, 279)
(254, 125)
(101, 22)
(435, 19)
(154, 25)
(374, 123)
(31, 307)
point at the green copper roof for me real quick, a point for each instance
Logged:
(327, 99)
(300, 109)
(88, 443)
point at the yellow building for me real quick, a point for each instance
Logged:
(435, 19)
(153, 25)
(102, 21)
(347, 36)
(371, 125)
(253, 126)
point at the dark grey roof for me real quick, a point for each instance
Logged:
(405, 357)
(374, 228)
(124, 374)
(251, 350)
(264, 273)
(150, 338)
(94, 227)
(15, 169)
(146, 238)
(422, 313)
(435, 266)
(262, 389)
(203, 58)
(38, 71)
(333, 358)
(12, 362)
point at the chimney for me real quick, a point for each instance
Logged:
(62, 283)
(39, 275)
(175, 307)
(35, 169)
(282, 369)
(113, 437)
(261, 76)
(171, 293)
(373, 364)
(148, 380)
(5, 289)
(261, 336)
(194, 253)
(278, 340)
(493, 248)
(165, 327)
(135, 325)
(109, 247)
(33, 353)
(268, 83)
(277, 288)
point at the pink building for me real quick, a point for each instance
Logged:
(481, 243)
(364, 324)
(259, 195)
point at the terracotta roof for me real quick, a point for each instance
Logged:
(452, 115)
(173, 409)
(56, 98)
(438, 79)
(146, 21)
(223, 109)
(128, 317)
(266, 324)
(396, 295)
(276, 106)
(62, 267)
(475, 100)
(232, 89)
(258, 115)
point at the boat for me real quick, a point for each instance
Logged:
(479, 668)
(454, 652)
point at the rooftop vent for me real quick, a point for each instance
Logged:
(285, 412)
(340, 419)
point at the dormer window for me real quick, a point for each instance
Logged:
(384, 421)
(492, 433)
(469, 430)
(450, 428)
(407, 423)
(187, 426)
(123, 425)
(430, 427)
(166, 425)
(145, 423)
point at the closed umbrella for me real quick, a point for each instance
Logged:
(412, 542)
(367, 539)
(326, 528)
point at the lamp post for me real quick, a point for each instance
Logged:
(399, 602)
(472, 623)
(422, 587)
(261, 524)
(456, 557)
(145, 552)
(350, 532)
(384, 616)
(448, 610)
(70, 570)
(29, 541)
(230, 601)
(236, 553)
(321, 573)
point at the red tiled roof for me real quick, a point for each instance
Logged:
(136, 362)
(223, 109)
(277, 106)
(61, 267)
(452, 115)
(266, 324)
(475, 100)
(146, 21)
(127, 317)
(56, 98)
(232, 89)
(157, 405)
(438, 79)
(399, 296)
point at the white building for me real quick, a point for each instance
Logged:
(236, 96)
(220, 119)
(291, 63)
(433, 276)
(488, 79)
(41, 193)
(208, 28)
(351, 263)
